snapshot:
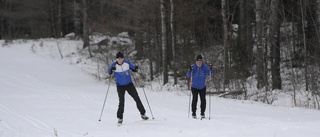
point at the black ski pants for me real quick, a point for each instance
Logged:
(134, 94)
(195, 93)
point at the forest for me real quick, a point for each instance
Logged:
(271, 44)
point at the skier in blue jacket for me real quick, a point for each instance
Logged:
(121, 69)
(198, 73)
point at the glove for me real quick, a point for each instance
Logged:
(110, 73)
(210, 66)
(191, 67)
(112, 69)
(135, 69)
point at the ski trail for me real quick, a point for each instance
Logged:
(87, 97)
(28, 119)
(64, 96)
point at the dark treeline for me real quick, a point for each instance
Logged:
(241, 38)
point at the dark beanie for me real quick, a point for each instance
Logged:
(199, 58)
(119, 55)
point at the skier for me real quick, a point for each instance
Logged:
(197, 74)
(121, 69)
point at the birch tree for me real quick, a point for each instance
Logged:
(302, 5)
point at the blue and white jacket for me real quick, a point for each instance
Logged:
(198, 76)
(122, 72)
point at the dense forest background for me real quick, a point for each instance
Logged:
(272, 44)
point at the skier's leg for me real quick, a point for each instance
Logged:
(194, 100)
(134, 94)
(121, 93)
(203, 100)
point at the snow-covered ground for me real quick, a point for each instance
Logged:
(41, 96)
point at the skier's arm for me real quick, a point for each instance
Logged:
(211, 72)
(188, 74)
(112, 68)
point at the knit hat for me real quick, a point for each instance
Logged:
(199, 58)
(119, 55)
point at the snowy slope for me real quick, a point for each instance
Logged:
(45, 97)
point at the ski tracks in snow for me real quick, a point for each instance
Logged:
(25, 119)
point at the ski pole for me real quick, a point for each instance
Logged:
(148, 102)
(189, 104)
(144, 95)
(210, 94)
(105, 99)
(210, 106)
(190, 85)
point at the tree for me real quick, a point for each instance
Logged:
(3, 8)
(59, 19)
(259, 44)
(164, 42)
(242, 50)
(173, 43)
(85, 36)
(275, 45)
(225, 41)
(302, 7)
(77, 18)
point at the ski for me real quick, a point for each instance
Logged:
(205, 118)
(120, 122)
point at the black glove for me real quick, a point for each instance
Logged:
(210, 66)
(110, 73)
(135, 69)
(112, 69)
(191, 67)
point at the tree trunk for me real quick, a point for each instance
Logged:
(85, 38)
(174, 62)
(225, 42)
(259, 34)
(77, 18)
(150, 53)
(293, 40)
(2, 18)
(304, 44)
(275, 45)
(164, 42)
(59, 21)
(52, 19)
(318, 18)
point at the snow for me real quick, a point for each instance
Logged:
(42, 95)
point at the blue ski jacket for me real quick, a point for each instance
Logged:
(198, 75)
(122, 72)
